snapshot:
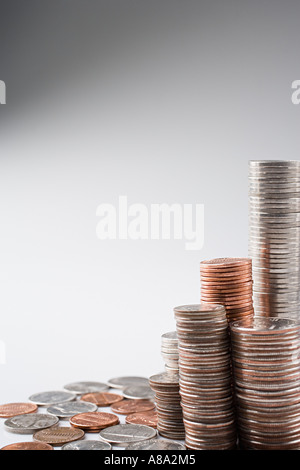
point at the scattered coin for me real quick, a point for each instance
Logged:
(87, 445)
(156, 444)
(126, 407)
(123, 382)
(13, 409)
(148, 418)
(138, 392)
(124, 434)
(71, 408)
(102, 399)
(29, 423)
(94, 421)
(51, 398)
(58, 436)
(86, 387)
(28, 446)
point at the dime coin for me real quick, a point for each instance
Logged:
(51, 398)
(13, 409)
(58, 436)
(122, 382)
(148, 418)
(29, 423)
(94, 421)
(86, 387)
(156, 444)
(124, 434)
(69, 409)
(28, 446)
(86, 445)
(137, 392)
(126, 407)
(102, 399)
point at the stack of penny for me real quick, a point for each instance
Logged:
(228, 281)
(266, 360)
(205, 377)
(169, 351)
(167, 398)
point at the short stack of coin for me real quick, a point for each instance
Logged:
(274, 236)
(169, 351)
(205, 377)
(266, 360)
(228, 281)
(167, 400)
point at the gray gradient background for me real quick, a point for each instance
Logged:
(162, 101)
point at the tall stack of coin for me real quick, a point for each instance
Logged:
(274, 235)
(167, 400)
(266, 360)
(169, 351)
(228, 281)
(205, 377)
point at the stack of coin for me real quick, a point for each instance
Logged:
(167, 400)
(228, 281)
(169, 351)
(274, 234)
(205, 377)
(266, 360)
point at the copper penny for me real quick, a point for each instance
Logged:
(58, 436)
(148, 418)
(94, 421)
(227, 262)
(10, 410)
(102, 398)
(28, 446)
(126, 407)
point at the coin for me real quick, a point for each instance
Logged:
(58, 436)
(148, 418)
(93, 421)
(69, 409)
(29, 423)
(156, 444)
(124, 434)
(86, 387)
(51, 398)
(122, 382)
(137, 392)
(28, 446)
(13, 409)
(102, 399)
(86, 445)
(126, 407)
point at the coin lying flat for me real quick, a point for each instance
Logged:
(124, 434)
(27, 424)
(58, 436)
(28, 446)
(94, 421)
(156, 444)
(125, 407)
(138, 392)
(86, 387)
(51, 398)
(102, 399)
(87, 445)
(13, 409)
(127, 381)
(69, 409)
(148, 418)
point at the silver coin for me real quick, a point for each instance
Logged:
(69, 409)
(122, 382)
(87, 445)
(29, 423)
(138, 392)
(51, 398)
(156, 444)
(86, 387)
(124, 434)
